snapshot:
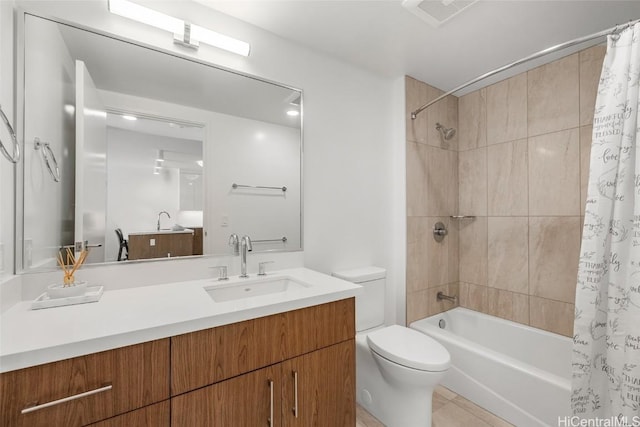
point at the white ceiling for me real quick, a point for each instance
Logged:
(384, 37)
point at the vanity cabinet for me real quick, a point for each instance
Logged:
(86, 389)
(156, 415)
(248, 373)
(316, 389)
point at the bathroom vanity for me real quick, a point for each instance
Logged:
(279, 359)
(161, 244)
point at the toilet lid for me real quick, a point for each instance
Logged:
(409, 348)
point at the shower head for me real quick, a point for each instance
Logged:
(446, 134)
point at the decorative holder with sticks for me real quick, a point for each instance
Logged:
(71, 265)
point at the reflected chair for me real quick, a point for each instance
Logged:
(124, 245)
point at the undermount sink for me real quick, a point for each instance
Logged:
(253, 288)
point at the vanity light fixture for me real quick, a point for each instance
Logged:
(184, 33)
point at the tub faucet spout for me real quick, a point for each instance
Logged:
(440, 296)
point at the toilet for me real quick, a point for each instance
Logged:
(397, 368)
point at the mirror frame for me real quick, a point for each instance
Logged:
(19, 171)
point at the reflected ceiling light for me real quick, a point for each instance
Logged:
(70, 109)
(293, 113)
(130, 118)
(200, 163)
(184, 33)
(156, 171)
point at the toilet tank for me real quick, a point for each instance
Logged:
(370, 303)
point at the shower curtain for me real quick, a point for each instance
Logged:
(606, 348)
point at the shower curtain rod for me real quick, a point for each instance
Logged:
(536, 55)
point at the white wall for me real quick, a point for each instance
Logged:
(6, 168)
(135, 195)
(251, 152)
(350, 134)
(49, 86)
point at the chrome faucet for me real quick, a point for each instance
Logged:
(162, 212)
(245, 246)
(234, 242)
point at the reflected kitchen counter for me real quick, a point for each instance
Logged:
(162, 244)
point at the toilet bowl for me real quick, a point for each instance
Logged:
(397, 368)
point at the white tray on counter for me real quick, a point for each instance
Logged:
(92, 294)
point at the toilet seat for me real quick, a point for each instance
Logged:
(409, 348)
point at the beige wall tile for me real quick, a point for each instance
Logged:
(590, 69)
(442, 182)
(417, 305)
(552, 316)
(415, 97)
(553, 96)
(554, 174)
(473, 251)
(418, 231)
(507, 110)
(472, 120)
(585, 159)
(507, 179)
(454, 250)
(463, 297)
(508, 258)
(472, 173)
(416, 179)
(444, 112)
(554, 247)
(520, 308)
(477, 299)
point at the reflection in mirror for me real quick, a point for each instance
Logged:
(151, 144)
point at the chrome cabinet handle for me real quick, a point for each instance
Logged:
(66, 399)
(270, 403)
(295, 393)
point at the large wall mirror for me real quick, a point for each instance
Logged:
(141, 154)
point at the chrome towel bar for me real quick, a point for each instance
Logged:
(48, 157)
(234, 186)
(283, 240)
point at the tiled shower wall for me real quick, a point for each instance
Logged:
(432, 196)
(523, 156)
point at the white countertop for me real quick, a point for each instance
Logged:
(131, 316)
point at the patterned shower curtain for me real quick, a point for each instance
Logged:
(606, 348)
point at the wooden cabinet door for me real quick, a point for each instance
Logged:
(319, 388)
(156, 415)
(252, 399)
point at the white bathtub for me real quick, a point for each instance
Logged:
(519, 373)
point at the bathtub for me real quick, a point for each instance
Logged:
(519, 373)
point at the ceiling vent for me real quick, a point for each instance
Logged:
(437, 12)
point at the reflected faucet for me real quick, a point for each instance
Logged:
(245, 246)
(234, 242)
(162, 212)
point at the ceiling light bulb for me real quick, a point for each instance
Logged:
(293, 113)
(128, 117)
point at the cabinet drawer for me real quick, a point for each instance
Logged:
(86, 389)
(206, 357)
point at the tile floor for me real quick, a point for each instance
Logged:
(449, 410)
